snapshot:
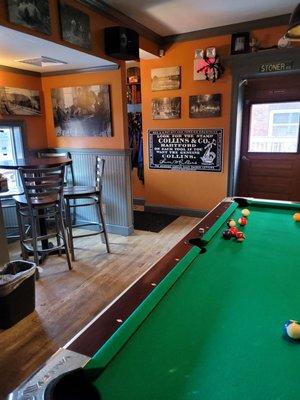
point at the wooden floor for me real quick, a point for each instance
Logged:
(67, 300)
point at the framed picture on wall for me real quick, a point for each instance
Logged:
(75, 26)
(240, 43)
(17, 101)
(165, 78)
(205, 105)
(166, 108)
(30, 13)
(82, 111)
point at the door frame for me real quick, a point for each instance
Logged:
(243, 67)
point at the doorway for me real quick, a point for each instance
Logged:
(270, 144)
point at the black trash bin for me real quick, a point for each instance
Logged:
(17, 292)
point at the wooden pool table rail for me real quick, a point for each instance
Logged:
(89, 340)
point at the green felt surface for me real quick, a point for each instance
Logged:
(217, 332)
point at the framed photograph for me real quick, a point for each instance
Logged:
(205, 105)
(166, 108)
(75, 26)
(16, 101)
(240, 43)
(165, 78)
(30, 13)
(82, 111)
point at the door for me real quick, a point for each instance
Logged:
(270, 157)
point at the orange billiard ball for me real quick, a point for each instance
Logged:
(296, 217)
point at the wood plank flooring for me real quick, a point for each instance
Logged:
(67, 300)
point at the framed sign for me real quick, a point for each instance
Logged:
(186, 149)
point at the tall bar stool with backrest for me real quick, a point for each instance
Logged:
(42, 200)
(83, 196)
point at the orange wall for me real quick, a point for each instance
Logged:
(195, 190)
(34, 125)
(117, 81)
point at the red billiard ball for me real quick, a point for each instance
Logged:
(240, 236)
(242, 221)
(233, 230)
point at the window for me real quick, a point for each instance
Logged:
(11, 149)
(274, 127)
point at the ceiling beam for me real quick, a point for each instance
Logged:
(122, 19)
(229, 29)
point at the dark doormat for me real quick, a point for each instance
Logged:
(152, 222)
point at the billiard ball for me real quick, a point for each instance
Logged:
(292, 329)
(296, 217)
(245, 212)
(240, 236)
(242, 221)
(231, 223)
(227, 234)
(233, 230)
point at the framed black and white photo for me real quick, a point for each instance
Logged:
(205, 105)
(75, 26)
(17, 101)
(165, 78)
(240, 43)
(82, 111)
(30, 13)
(166, 108)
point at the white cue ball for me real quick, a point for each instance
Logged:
(292, 329)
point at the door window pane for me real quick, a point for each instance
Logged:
(274, 127)
(11, 149)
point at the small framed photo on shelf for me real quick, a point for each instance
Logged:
(240, 43)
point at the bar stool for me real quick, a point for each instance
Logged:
(43, 199)
(90, 196)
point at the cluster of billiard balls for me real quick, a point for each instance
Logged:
(232, 230)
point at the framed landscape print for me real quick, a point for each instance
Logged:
(165, 78)
(30, 13)
(75, 26)
(82, 111)
(205, 105)
(16, 101)
(166, 108)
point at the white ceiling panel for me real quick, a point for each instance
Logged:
(168, 17)
(16, 46)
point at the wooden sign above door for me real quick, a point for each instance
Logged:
(276, 67)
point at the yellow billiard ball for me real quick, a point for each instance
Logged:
(296, 217)
(245, 212)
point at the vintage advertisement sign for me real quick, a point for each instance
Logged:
(186, 149)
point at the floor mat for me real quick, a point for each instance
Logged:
(152, 222)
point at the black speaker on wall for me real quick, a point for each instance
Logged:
(121, 43)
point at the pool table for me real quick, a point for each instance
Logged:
(205, 322)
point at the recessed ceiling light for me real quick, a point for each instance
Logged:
(43, 61)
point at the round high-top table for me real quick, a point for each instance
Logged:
(34, 162)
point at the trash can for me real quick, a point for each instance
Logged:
(17, 292)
